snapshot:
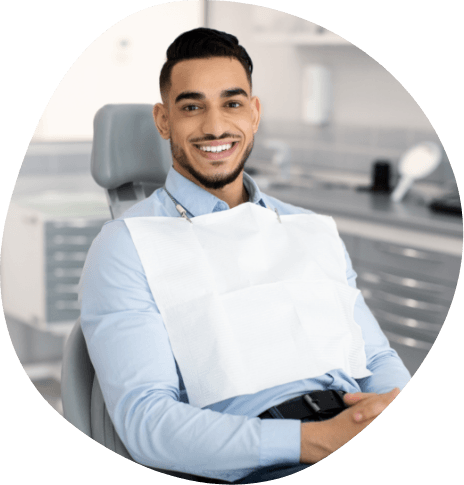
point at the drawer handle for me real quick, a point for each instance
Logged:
(400, 281)
(404, 302)
(80, 223)
(408, 253)
(408, 341)
(72, 240)
(67, 272)
(70, 256)
(406, 322)
(67, 305)
(63, 288)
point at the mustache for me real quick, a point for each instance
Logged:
(213, 138)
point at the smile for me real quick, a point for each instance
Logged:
(216, 149)
(217, 152)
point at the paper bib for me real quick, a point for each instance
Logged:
(250, 303)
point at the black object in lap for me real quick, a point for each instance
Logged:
(317, 405)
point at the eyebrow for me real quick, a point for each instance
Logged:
(227, 93)
(190, 95)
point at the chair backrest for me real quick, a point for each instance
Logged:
(129, 158)
(83, 403)
(77, 375)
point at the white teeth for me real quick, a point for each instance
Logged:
(216, 149)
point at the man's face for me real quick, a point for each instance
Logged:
(210, 119)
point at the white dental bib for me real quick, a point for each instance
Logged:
(249, 302)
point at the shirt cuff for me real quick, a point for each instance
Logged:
(280, 441)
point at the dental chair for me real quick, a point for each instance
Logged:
(129, 160)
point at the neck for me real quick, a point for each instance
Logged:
(232, 194)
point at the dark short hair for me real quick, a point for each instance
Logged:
(203, 43)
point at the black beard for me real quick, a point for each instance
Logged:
(213, 182)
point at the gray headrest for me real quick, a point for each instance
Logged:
(127, 146)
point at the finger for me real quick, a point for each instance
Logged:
(352, 398)
(372, 407)
(394, 392)
(369, 412)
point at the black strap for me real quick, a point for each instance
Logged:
(317, 404)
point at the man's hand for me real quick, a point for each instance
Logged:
(320, 439)
(369, 405)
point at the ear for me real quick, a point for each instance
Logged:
(160, 115)
(256, 112)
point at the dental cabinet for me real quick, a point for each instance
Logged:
(45, 243)
(408, 289)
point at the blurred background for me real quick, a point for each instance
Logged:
(335, 129)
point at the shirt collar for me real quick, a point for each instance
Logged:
(198, 201)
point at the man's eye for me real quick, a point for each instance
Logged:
(190, 107)
(233, 104)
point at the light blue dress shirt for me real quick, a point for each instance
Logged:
(142, 387)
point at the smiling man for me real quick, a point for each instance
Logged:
(229, 340)
(210, 118)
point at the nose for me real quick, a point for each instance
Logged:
(214, 122)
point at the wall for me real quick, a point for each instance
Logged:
(364, 92)
(121, 66)
(373, 116)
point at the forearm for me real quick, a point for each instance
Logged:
(138, 378)
(315, 442)
(162, 433)
(140, 385)
(388, 372)
(320, 439)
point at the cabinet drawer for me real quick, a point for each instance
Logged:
(416, 261)
(423, 337)
(428, 328)
(411, 354)
(73, 227)
(411, 346)
(423, 288)
(425, 324)
(62, 311)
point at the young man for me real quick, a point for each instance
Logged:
(200, 283)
